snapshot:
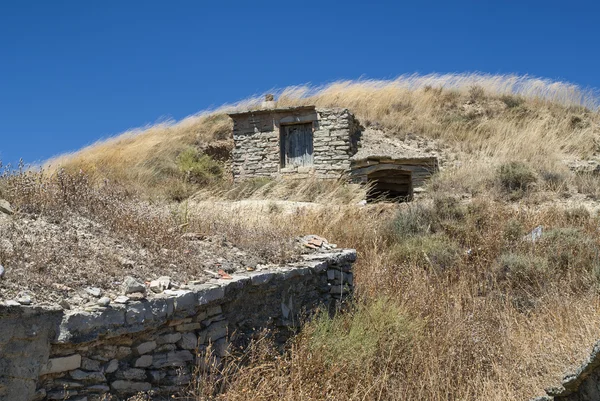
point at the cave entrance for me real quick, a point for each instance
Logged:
(391, 185)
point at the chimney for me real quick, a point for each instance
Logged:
(269, 102)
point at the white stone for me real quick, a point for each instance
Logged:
(161, 284)
(121, 299)
(131, 285)
(94, 291)
(5, 207)
(64, 364)
(104, 301)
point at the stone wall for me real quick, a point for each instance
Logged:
(52, 354)
(257, 134)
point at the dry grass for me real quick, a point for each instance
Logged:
(482, 314)
(495, 118)
(424, 330)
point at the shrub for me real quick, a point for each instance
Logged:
(448, 208)
(555, 181)
(433, 251)
(356, 339)
(523, 270)
(515, 176)
(416, 220)
(513, 230)
(570, 248)
(577, 215)
(512, 101)
(198, 168)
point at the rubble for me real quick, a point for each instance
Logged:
(315, 242)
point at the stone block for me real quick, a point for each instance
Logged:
(188, 341)
(94, 377)
(144, 348)
(138, 313)
(261, 278)
(171, 338)
(134, 374)
(210, 295)
(188, 327)
(128, 387)
(143, 361)
(175, 358)
(112, 366)
(90, 364)
(166, 348)
(64, 364)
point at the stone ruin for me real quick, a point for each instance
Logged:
(158, 344)
(306, 141)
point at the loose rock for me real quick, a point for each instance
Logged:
(5, 207)
(104, 301)
(94, 291)
(161, 284)
(121, 299)
(131, 285)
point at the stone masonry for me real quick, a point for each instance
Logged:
(158, 344)
(258, 142)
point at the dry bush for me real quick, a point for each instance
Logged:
(488, 326)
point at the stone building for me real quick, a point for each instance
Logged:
(326, 143)
(296, 142)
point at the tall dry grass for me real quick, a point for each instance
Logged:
(492, 117)
(427, 330)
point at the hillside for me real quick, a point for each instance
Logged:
(453, 301)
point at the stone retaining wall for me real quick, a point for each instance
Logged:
(52, 354)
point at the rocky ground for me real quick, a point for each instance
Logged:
(76, 261)
(377, 141)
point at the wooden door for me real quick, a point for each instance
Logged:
(297, 145)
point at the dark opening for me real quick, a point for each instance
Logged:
(391, 185)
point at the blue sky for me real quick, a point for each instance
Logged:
(73, 72)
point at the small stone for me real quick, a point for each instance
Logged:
(1, 271)
(104, 301)
(130, 386)
(64, 364)
(12, 302)
(5, 207)
(188, 341)
(146, 347)
(64, 304)
(133, 374)
(168, 338)
(143, 361)
(121, 299)
(89, 364)
(131, 285)
(136, 296)
(94, 377)
(161, 284)
(112, 366)
(24, 300)
(94, 291)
